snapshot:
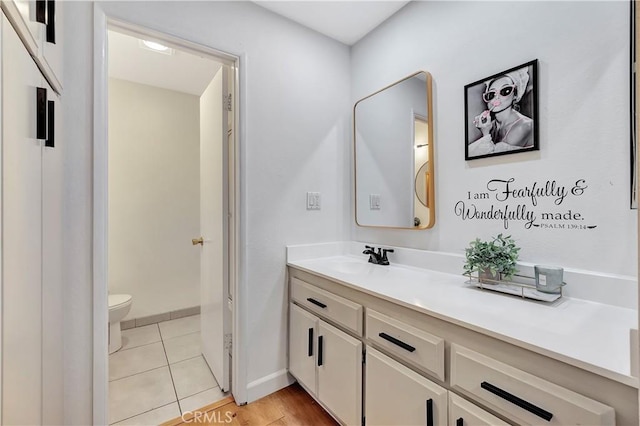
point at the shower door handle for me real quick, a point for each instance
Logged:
(197, 241)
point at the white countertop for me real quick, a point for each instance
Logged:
(589, 335)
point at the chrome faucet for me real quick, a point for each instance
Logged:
(379, 257)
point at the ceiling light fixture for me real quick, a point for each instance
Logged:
(156, 47)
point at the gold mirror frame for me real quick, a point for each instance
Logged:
(431, 203)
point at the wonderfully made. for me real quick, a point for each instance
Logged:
(504, 213)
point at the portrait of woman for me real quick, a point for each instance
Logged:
(500, 113)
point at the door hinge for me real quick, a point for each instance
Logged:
(227, 102)
(228, 341)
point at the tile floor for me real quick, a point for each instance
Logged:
(159, 374)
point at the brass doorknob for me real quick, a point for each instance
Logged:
(197, 241)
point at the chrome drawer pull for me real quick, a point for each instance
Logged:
(315, 302)
(544, 414)
(395, 341)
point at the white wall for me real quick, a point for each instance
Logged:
(154, 197)
(583, 52)
(295, 138)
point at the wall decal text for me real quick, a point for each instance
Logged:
(507, 201)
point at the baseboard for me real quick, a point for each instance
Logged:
(154, 319)
(268, 385)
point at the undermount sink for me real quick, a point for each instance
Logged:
(349, 266)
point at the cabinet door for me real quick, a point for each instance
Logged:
(398, 395)
(303, 346)
(464, 413)
(52, 381)
(21, 235)
(339, 362)
(24, 15)
(52, 43)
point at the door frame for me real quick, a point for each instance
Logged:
(103, 22)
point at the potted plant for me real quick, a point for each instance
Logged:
(493, 259)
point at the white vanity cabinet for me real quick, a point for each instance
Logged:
(421, 369)
(522, 396)
(328, 363)
(398, 395)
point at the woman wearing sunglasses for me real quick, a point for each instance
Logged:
(503, 127)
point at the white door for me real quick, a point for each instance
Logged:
(21, 235)
(215, 315)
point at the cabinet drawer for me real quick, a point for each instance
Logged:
(335, 308)
(418, 347)
(464, 413)
(521, 396)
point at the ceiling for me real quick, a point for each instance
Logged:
(182, 72)
(345, 21)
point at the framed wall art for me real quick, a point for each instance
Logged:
(501, 113)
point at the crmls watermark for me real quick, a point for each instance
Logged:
(211, 417)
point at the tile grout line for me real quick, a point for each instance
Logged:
(182, 335)
(139, 346)
(134, 347)
(137, 374)
(144, 412)
(168, 365)
(186, 359)
(173, 383)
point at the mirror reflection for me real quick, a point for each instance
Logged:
(394, 156)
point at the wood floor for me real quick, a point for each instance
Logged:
(289, 406)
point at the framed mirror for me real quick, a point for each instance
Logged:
(393, 151)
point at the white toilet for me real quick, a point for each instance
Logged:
(119, 307)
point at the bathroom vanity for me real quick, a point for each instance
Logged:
(384, 345)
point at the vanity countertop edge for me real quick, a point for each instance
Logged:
(588, 335)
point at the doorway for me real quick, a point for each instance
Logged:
(169, 235)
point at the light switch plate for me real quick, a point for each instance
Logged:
(313, 201)
(374, 201)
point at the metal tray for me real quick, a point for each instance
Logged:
(524, 290)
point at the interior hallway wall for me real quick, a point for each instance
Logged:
(584, 119)
(154, 197)
(295, 130)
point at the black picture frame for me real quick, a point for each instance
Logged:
(520, 134)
